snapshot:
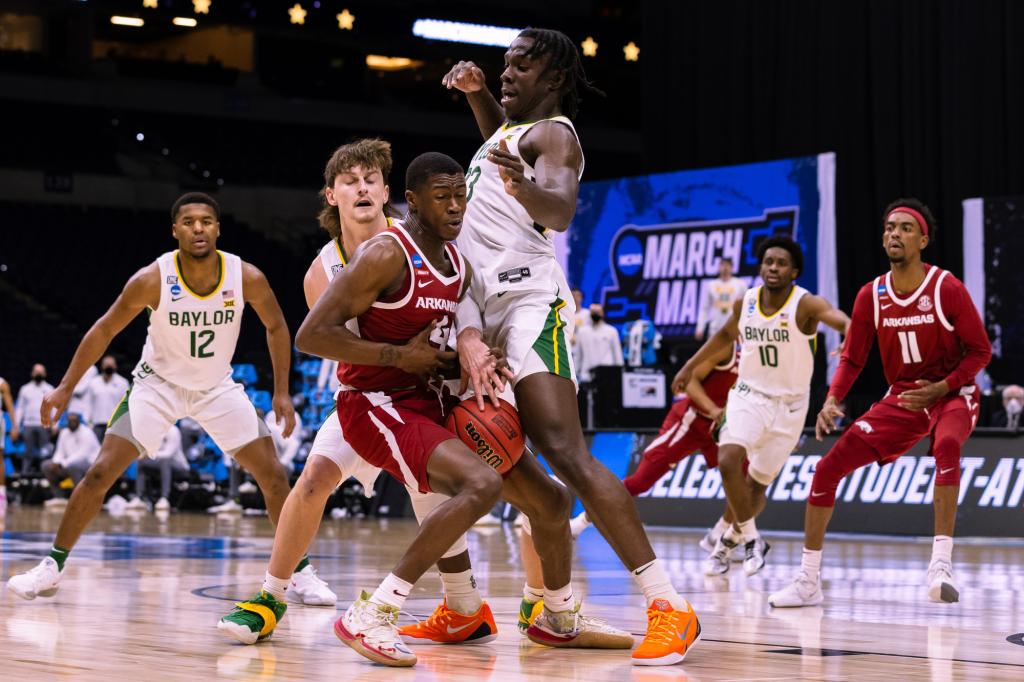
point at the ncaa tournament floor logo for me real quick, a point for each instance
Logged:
(660, 271)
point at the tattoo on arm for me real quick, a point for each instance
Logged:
(388, 356)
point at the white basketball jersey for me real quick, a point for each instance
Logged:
(507, 249)
(333, 258)
(776, 359)
(191, 339)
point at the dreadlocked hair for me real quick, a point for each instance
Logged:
(565, 58)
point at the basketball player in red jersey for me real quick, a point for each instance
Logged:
(404, 280)
(932, 344)
(687, 429)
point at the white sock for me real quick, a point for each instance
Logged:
(460, 592)
(720, 528)
(732, 535)
(748, 530)
(579, 524)
(559, 600)
(392, 591)
(810, 562)
(276, 586)
(942, 548)
(654, 582)
(532, 594)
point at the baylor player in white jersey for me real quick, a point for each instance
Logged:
(195, 297)
(777, 324)
(523, 183)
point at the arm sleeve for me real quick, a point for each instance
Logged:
(857, 345)
(968, 327)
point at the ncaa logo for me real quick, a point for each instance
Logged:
(417, 262)
(175, 289)
(629, 255)
(924, 304)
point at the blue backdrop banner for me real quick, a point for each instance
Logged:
(645, 247)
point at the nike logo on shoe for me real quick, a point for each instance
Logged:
(452, 631)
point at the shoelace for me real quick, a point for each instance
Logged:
(659, 627)
(594, 623)
(439, 619)
(940, 567)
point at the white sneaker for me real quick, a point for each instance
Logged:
(718, 562)
(372, 631)
(708, 542)
(137, 503)
(247, 487)
(55, 503)
(41, 581)
(755, 551)
(308, 588)
(162, 505)
(941, 587)
(116, 505)
(229, 507)
(803, 591)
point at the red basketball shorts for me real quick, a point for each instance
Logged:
(396, 432)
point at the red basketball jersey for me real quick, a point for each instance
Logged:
(720, 380)
(426, 295)
(931, 334)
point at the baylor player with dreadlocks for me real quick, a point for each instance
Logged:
(523, 184)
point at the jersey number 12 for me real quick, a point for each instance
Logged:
(204, 338)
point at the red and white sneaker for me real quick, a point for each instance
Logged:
(571, 630)
(371, 630)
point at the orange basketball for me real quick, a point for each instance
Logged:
(495, 434)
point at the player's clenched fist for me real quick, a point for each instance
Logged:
(464, 76)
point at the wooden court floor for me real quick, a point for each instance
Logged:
(142, 594)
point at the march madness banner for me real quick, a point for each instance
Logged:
(647, 246)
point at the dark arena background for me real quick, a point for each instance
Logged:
(719, 125)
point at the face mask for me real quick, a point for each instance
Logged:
(108, 370)
(1014, 406)
(596, 318)
(39, 378)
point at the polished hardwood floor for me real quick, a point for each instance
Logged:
(142, 594)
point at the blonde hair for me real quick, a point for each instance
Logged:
(370, 153)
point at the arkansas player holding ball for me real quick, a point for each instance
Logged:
(932, 344)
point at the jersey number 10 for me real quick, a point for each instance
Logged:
(769, 356)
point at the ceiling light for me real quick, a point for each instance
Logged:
(459, 32)
(126, 21)
(185, 21)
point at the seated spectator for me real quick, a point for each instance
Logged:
(77, 449)
(168, 461)
(102, 395)
(1013, 403)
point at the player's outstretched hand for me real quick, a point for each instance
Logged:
(464, 76)
(924, 395)
(284, 411)
(510, 167)
(422, 358)
(827, 418)
(53, 406)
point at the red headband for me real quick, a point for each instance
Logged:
(917, 216)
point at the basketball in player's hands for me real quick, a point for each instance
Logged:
(495, 434)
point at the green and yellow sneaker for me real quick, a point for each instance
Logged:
(528, 612)
(254, 620)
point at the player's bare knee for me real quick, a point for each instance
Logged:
(484, 488)
(730, 463)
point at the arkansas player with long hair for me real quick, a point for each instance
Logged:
(932, 344)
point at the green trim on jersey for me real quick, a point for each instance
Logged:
(121, 409)
(334, 408)
(551, 344)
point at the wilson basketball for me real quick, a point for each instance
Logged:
(495, 434)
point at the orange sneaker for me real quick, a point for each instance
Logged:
(670, 635)
(446, 626)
